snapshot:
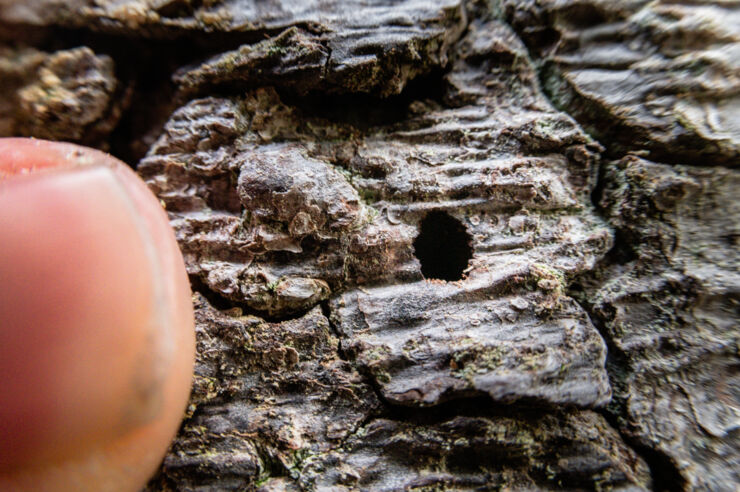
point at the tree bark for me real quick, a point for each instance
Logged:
(436, 245)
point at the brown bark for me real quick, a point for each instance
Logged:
(436, 245)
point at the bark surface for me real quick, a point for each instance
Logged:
(434, 245)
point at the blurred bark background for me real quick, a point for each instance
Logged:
(434, 244)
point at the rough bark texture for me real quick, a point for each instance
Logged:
(69, 94)
(435, 245)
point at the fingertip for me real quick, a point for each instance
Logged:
(96, 310)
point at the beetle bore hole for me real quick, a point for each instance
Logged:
(443, 247)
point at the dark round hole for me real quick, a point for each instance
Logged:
(443, 247)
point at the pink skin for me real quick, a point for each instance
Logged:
(96, 322)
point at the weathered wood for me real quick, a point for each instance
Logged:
(330, 164)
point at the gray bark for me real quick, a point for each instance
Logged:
(434, 245)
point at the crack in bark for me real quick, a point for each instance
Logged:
(222, 303)
(664, 473)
